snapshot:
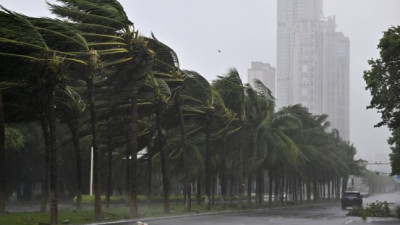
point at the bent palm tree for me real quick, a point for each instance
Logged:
(232, 92)
(70, 108)
(106, 28)
(32, 40)
(202, 105)
(166, 80)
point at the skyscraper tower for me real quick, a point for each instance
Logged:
(308, 67)
(336, 89)
(299, 53)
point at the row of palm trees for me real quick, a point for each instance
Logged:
(93, 72)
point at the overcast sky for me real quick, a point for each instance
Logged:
(211, 36)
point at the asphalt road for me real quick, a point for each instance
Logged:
(328, 213)
(323, 213)
(311, 215)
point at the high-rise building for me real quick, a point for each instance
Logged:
(263, 72)
(312, 62)
(336, 87)
(299, 53)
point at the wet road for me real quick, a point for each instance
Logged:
(326, 213)
(330, 213)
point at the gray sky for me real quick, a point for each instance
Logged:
(245, 31)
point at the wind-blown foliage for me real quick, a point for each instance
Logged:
(383, 83)
(95, 73)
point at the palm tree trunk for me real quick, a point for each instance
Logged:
(109, 171)
(308, 187)
(276, 185)
(258, 187)
(315, 189)
(223, 174)
(164, 163)
(327, 189)
(260, 172)
(344, 183)
(133, 191)
(134, 150)
(249, 186)
(2, 158)
(213, 185)
(208, 164)
(285, 187)
(128, 163)
(294, 188)
(149, 173)
(78, 158)
(270, 180)
(231, 191)
(46, 165)
(186, 162)
(96, 159)
(198, 189)
(240, 183)
(301, 190)
(53, 157)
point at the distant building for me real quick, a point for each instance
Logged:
(263, 72)
(313, 62)
(299, 46)
(336, 88)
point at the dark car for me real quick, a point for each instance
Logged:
(351, 198)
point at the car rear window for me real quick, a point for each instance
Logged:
(352, 194)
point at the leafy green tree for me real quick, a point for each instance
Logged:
(395, 155)
(384, 85)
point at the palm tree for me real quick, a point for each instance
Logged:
(8, 23)
(54, 31)
(167, 79)
(161, 96)
(36, 47)
(201, 105)
(107, 28)
(186, 161)
(231, 90)
(279, 145)
(70, 108)
(259, 110)
(322, 160)
(198, 100)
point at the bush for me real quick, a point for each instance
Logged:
(379, 209)
(375, 209)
